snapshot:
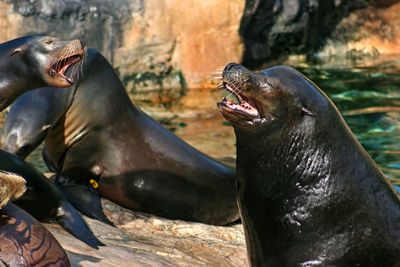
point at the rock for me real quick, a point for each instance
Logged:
(144, 240)
(368, 32)
(153, 44)
(161, 44)
(275, 29)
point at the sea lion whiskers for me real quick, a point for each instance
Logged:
(77, 69)
(67, 57)
(216, 77)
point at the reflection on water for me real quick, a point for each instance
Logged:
(367, 93)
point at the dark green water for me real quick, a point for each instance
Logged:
(366, 92)
(368, 96)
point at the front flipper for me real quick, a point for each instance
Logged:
(84, 198)
(71, 221)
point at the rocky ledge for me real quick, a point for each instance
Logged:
(144, 240)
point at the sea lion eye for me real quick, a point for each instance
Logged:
(305, 111)
(49, 42)
(16, 52)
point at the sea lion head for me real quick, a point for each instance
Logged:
(272, 100)
(37, 61)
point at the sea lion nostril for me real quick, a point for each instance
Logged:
(229, 66)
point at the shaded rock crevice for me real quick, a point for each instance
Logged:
(274, 29)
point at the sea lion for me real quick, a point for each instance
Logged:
(37, 61)
(25, 242)
(44, 201)
(31, 117)
(102, 144)
(308, 193)
(27, 63)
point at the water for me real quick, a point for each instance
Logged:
(367, 92)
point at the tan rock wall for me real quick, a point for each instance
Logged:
(371, 31)
(10, 23)
(195, 37)
(162, 38)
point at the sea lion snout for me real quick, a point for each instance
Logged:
(67, 56)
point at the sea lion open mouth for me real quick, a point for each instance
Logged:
(61, 66)
(244, 106)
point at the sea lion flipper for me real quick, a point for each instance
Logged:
(85, 200)
(71, 221)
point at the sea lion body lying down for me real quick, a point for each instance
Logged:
(101, 144)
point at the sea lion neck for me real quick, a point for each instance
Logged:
(96, 97)
(269, 153)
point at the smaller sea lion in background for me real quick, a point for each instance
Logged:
(44, 201)
(308, 193)
(25, 242)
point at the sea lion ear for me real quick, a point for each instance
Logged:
(16, 51)
(305, 111)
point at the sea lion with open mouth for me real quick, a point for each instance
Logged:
(28, 63)
(101, 144)
(308, 193)
(37, 61)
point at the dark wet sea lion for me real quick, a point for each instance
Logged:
(27, 63)
(36, 61)
(27, 125)
(103, 138)
(308, 193)
(43, 201)
(25, 242)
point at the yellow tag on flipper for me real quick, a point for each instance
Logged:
(94, 183)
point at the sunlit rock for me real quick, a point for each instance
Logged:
(153, 44)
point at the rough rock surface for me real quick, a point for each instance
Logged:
(158, 44)
(152, 43)
(372, 31)
(144, 240)
(275, 29)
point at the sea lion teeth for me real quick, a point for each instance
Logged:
(62, 65)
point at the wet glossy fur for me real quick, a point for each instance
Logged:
(308, 193)
(101, 135)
